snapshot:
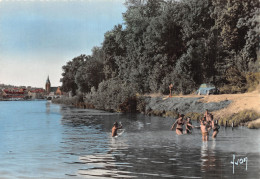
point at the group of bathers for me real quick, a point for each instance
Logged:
(206, 124)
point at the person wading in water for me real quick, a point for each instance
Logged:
(115, 128)
(205, 128)
(189, 126)
(215, 127)
(179, 123)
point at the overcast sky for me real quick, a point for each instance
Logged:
(38, 37)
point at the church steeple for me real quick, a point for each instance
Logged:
(48, 80)
(48, 85)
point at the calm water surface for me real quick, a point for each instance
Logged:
(44, 140)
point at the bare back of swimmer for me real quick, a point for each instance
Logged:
(115, 128)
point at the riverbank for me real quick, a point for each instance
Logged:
(238, 109)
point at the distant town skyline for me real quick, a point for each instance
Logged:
(38, 37)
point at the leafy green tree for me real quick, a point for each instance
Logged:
(137, 19)
(186, 42)
(237, 22)
(112, 94)
(249, 27)
(112, 49)
(69, 73)
(89, 74)
(98, 54)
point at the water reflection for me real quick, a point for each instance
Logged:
(212, 162)
(48, 104)
(148, 149)
(111, 164)
(44, 140)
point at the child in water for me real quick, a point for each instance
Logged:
(115, 128)
(189, 126)
(204, 127)
(180, 123)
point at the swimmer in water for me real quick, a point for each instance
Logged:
(215, 128)
(179, 123)
(189, 126)
(204, 127)
(115, 128)
(208, 116)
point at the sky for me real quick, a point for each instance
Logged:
(38, 37)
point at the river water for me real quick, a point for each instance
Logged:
(44, 140)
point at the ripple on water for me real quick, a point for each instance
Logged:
(104, 165)
(78, 143)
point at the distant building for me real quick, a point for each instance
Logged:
(9, 92)
(13, 93)
(36, 93)
(52, 91)
(48, 86)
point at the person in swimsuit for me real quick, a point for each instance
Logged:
(189, 126)
(115, 128)
(215, 128)
(206, 113)
(179, 123)
(208, 116)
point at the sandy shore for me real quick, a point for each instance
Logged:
(239, 102)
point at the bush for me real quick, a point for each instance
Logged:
(157, 113)
(141, 104)
(194, 116)
(235, 82)
(240, 118)
(254, 125)
(66, 100)
(129, 105)
(228, 89)
(253, 80)
(113, 95)
(172, 114)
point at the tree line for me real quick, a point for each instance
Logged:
(185, 42)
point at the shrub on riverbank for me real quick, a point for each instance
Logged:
(253, 81)
(113, 95)
(172, 114)
(66, 100)
(194, 116)
(254, 124)
(141, 103)
(239, 118)
(242, 83)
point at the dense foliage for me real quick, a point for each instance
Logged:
(113, 95)
(186, 43)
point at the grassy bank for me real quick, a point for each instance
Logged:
(254, 124)
(66, 100)
(73, 101)
(243, 118)
(243, 109)
(240, 118)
